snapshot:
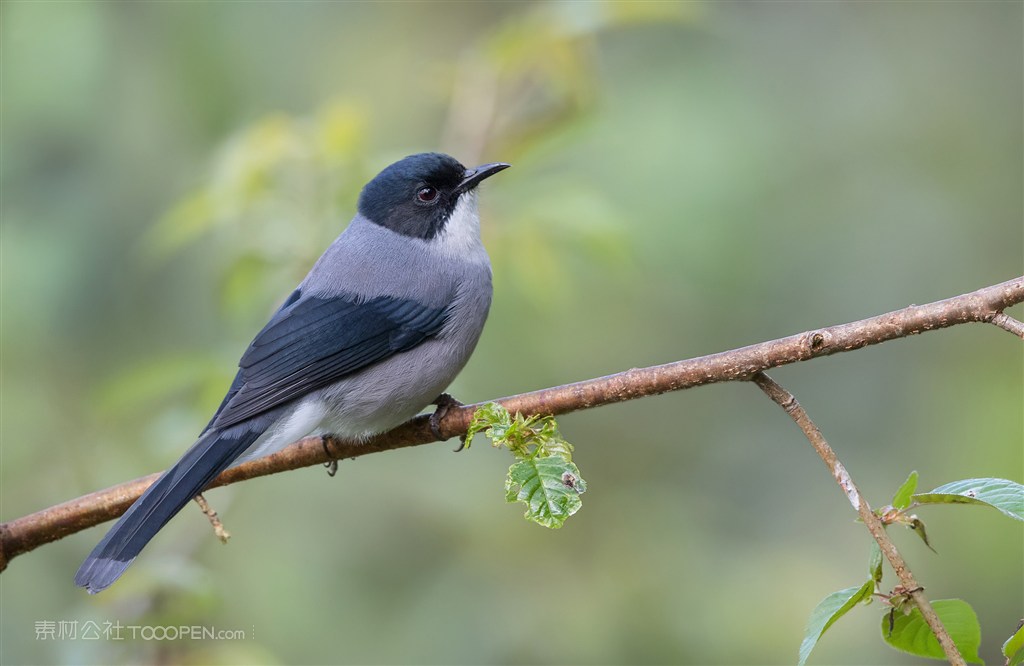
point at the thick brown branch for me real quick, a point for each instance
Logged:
(789, 403)
(23, 534)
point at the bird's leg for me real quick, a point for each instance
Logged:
(332, 464)
(444, 402)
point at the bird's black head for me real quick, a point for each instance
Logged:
(416, 195)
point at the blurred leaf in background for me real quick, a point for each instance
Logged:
(689, 177)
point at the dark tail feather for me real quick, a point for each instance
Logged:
(207, 458)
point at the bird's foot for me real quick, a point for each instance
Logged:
(444, 403)
(332, 464)
(462, 444)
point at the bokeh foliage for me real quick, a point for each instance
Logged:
(688, 178)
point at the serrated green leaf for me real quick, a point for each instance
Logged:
(1006, 496)
(830, 609)
(910, 633)
(1013, 648)
(525, 437)
(488, 417)
(550, 443)
(875, 562)
(544, 479)
(549, 486)
(901, 500)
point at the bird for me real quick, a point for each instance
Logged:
(378, 329)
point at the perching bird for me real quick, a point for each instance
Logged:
(384, 321)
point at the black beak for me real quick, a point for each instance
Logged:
(473, 176)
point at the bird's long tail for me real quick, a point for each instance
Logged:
(208, 457)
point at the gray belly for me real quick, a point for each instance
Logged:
(393, 391)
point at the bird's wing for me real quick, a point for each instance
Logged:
(312, 342)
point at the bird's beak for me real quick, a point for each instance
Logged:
(473, 176)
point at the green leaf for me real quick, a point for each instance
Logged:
(525, 437)
(910, 633)
(544, 478)
(1006, 496)
(491, 417)
(831, 608)
(901, 500)
(917, 525)
(875, 562)
(1013, 648)
(549, 486)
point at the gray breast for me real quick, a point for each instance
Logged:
(392, 391)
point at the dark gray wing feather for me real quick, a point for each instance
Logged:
(312, 342)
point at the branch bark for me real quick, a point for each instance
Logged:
(984, 305)
(789, 404)
(1008, 323)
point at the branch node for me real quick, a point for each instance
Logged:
(1008, 323)
(818, 341)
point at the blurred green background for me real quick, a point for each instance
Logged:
(688, 178)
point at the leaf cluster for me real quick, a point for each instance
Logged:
(903, 626)
(544, 477)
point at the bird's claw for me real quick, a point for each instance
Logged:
(444, 402)
(332, 464)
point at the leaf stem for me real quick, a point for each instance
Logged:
(789, 404)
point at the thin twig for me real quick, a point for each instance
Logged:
(1008, 323)
(28, 532)
(211, 515)
(789, 403)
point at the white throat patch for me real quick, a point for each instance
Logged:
(461, 235)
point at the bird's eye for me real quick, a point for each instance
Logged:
(426, 194)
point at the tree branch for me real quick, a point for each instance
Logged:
(1008, 323)
(24, 534)
(789, 404)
